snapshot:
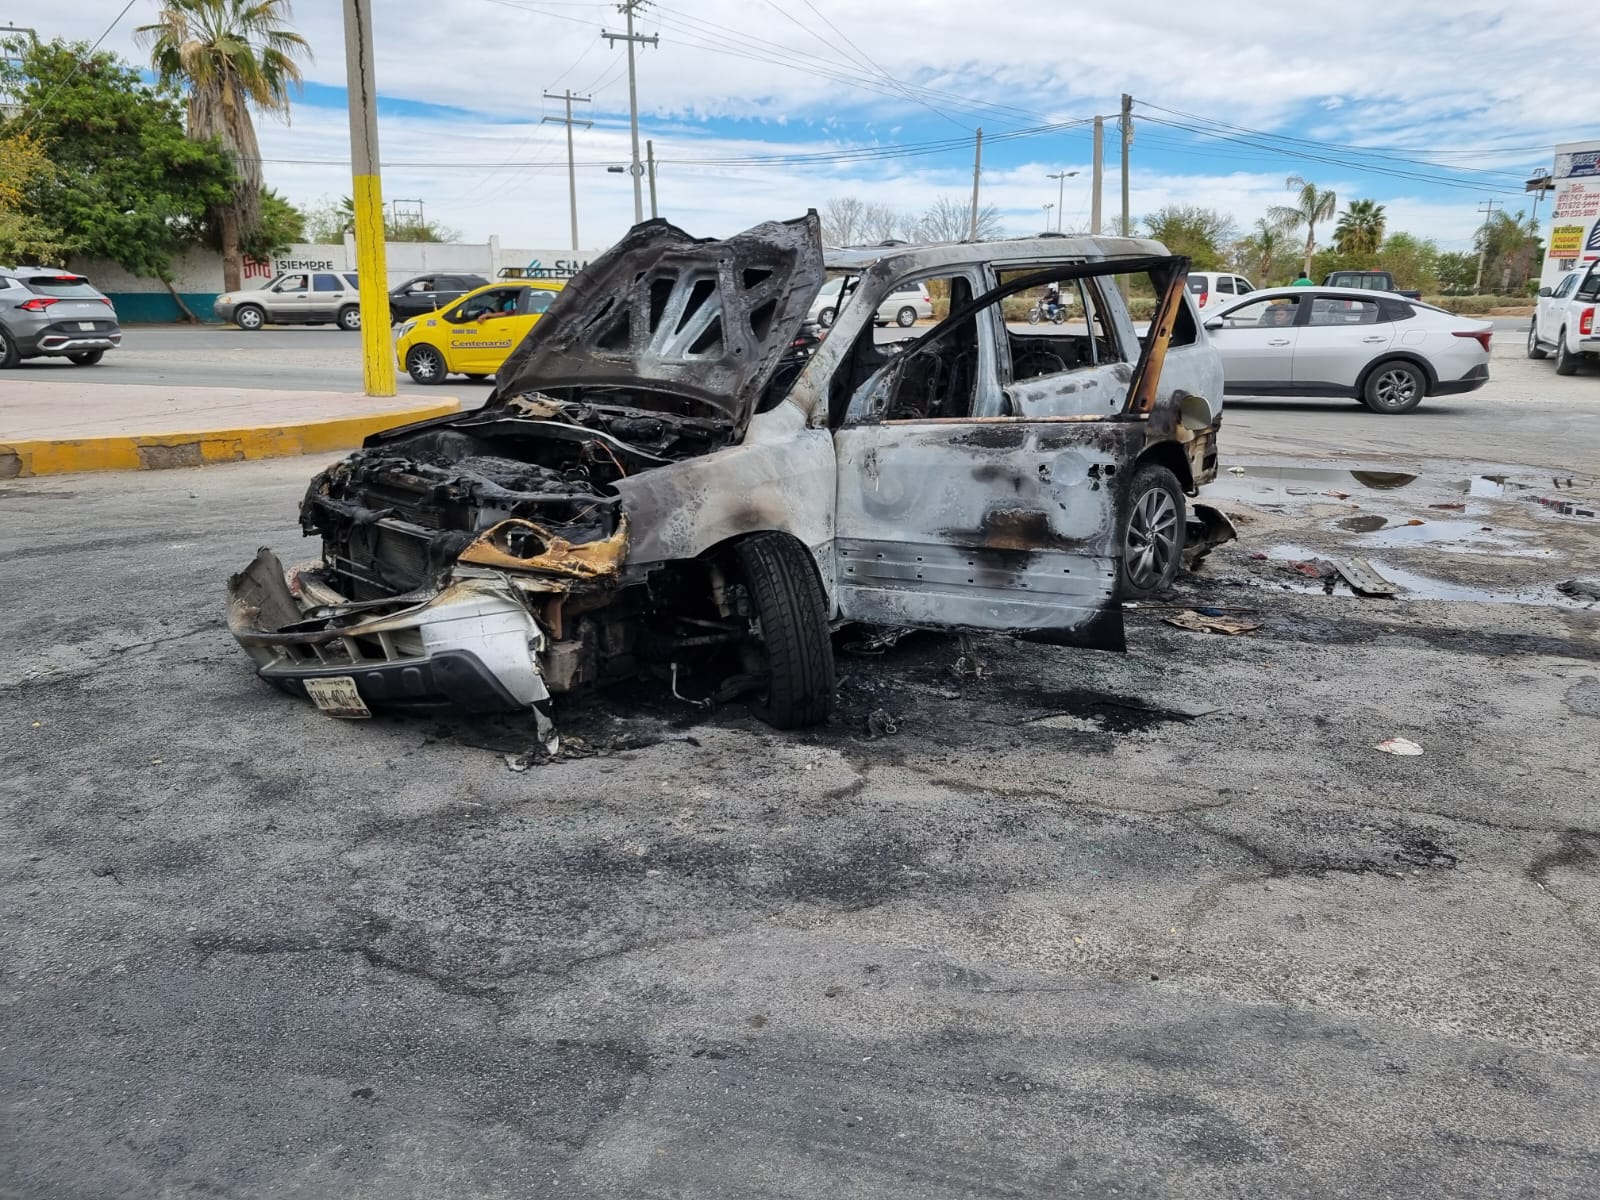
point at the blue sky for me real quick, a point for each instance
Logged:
(735, 84)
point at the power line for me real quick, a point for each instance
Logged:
(76, 67)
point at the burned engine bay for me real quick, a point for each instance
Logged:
(480, 559)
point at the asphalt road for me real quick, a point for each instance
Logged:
(1156, 925)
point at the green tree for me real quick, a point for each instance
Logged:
(1200, 234)
(1311, 206)
(1413, 261)
(1257, 254)
(126, 183)
(1360, 230)
(1510, 246)
(281, 226)
(328, 221)
(26, 236)
(228, 55)
(1456, 270)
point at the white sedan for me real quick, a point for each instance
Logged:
(1384, 350)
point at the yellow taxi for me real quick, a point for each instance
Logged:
(473, 336)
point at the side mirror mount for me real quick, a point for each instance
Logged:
(1545, 292)
(1214, 323)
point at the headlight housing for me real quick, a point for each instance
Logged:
(405, 328)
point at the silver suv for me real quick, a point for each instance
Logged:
(295, 298)
(49, 313)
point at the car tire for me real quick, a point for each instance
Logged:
(1150, 533)
(1566, 363)
(87, 359)
(793, 616)
(350, 318)
(906, 317)
(1534, 349)
(249, 318)
(9, 355)
(1394, 387)
(425, 365)
(825, 318)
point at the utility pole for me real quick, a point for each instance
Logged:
(372, 269)
(1099, 174)
(977, 170)
(650, 155)
(572, 170)
(1487, 209)
(1061, 178)
(1127, 140)
(636, 169)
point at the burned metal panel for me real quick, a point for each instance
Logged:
(987, 524)
(703, 319)
(1091, 391)
(781, 477)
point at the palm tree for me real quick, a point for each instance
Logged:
(229, 55)
(1360, 229)
(1311, 204)
(1265, 245)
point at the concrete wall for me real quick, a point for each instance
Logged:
(197, 276)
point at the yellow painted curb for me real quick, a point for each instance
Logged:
(154, 452)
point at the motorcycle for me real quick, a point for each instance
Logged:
(1043, 311)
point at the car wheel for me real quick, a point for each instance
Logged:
(825, 318)
(249, 317)
(9, 357)
(88, 358)
(425, 365)
(1534, 349)
(793, 624)
(906, 317)
(1394, 387)
(1152, 533)
(1566, 363)
(350, 318)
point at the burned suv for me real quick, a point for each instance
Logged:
(670, 480)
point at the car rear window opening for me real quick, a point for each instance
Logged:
(60, 285)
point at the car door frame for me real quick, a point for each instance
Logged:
(288, 308)
(325, 305)
(1290, 335)
(1000, 523)
(1363, 348)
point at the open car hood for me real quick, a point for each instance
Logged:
(695, 318)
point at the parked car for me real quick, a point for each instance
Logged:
(295, 298)
(429, 293)
(1213, 289)
(47, 313)
(1387, 352)
(672, 480)
(473, 336)
(905, 306)
(1368, 281)
(1566, 321)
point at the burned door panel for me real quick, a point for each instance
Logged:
(997, 524)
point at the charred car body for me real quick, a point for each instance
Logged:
(671, 479)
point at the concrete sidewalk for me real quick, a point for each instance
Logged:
(59, 428)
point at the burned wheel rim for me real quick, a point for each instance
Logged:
(1151, 545)
(424, 365)
(1395, 387)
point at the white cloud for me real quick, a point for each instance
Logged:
(1469, 79)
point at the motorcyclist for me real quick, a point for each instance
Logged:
(1052, 300)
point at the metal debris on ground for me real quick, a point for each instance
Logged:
(968, 665)
(1201, 623)
(1363, 578)
(877, 640)
(1399, 745)
(1455, 507)
(1312, 568)
(880, 723)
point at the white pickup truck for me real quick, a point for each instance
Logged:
(1566, 321)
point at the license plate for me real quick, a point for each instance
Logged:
(86, 325)
(336, 695)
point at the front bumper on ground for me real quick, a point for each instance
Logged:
(471, 646)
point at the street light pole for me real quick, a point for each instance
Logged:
(636, 169)
(1061, 178)
(372, 268)
(1047, 207)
